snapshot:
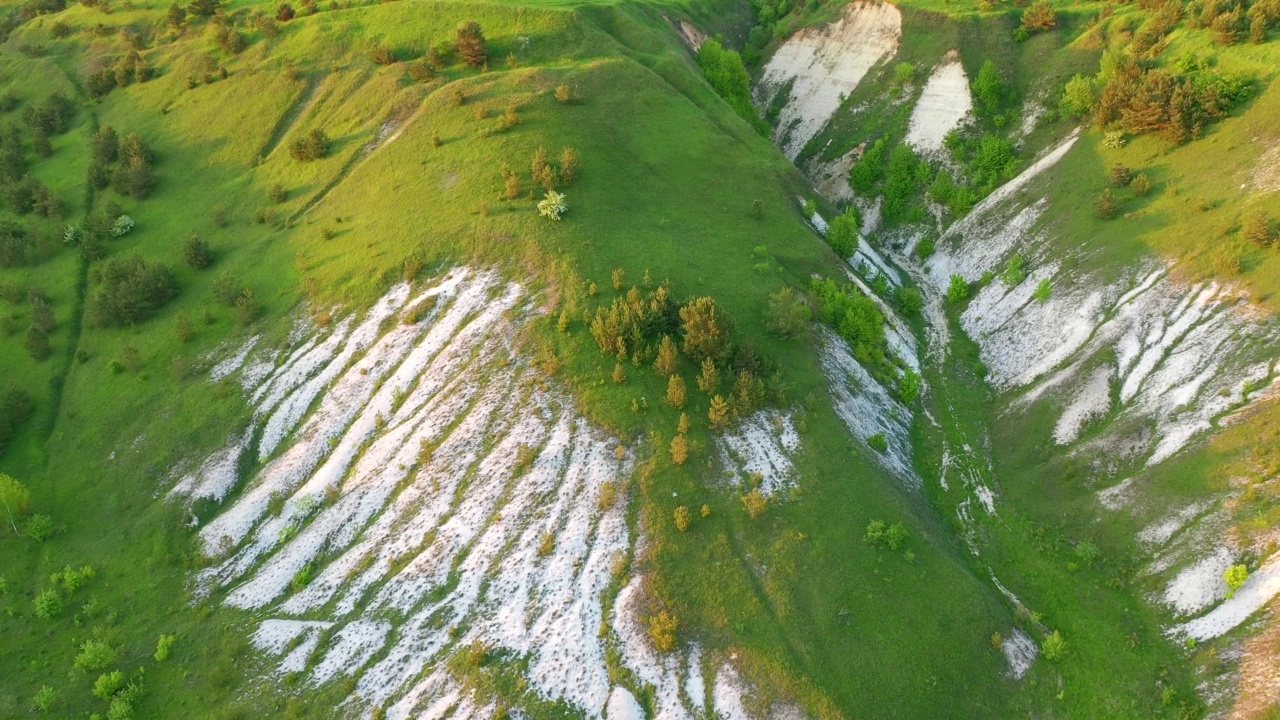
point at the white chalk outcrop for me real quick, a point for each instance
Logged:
(822, 65)
(422, 489)
(944, 103)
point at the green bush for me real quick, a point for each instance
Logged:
(108, 685)
(727, 75)
(866, 173)
(95, 655)
(1054, 647)
(957, 289)
(878, 443)
(909, 299)
(49, 604)
(843, 232)
(1043, 291)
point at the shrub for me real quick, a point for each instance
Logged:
(896, 536)
(683, 518)
(563, 94)
(662, 629)
(1040, 16)
(197, 253)
(1140, 185)
(285, 13)
(708, 376)
(1043, 291)
(38, 528)
(1015, 273)
(878, 443)
(43, 700)
(1257, 229)
(108, 685)
(469, 39)
(843, 232)
(1105, 206)
(163, 647)
(903, 73)
(909, 386)
(865, 173)
(1054, 647)
(568, 165)
(787, 314)
(552, 205)
(957, 289)
(48, 604)
(755, 503)
(925, 248)
(1235, 576)
(312, 146)
(909, 299)
(619, 374)
(37, 344)
(131, 291)
(988, 90)
(1120, 175)
(874, 534)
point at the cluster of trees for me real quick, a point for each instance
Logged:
(727, 75)
(124, 163)
(1232, 20)
(312, 146)
(129, 69)
(650, 327)
(773, 20)
(1173, 105)
(131, 290)
(856, 318)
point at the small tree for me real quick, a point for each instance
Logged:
(183, 330)
(1257, 229)
(1140, 185)
(1105, 206)
(1054, 647)
(706, 330)
(15, 497)
(708, 376)
(1120, 175)
(471, 44)
(787, 315)
(679, 449)
(1040, 16)
(619, 374)
(176, 16)
(842, 233)
(705, 511)
(1078, 97)
(37, 344)
(682, 426)
(197, 253)
(683, 518)
(957, 289)
(719, 412)
(1043, 291)
(677, 393)
(668, 356)
(755, 503)
(312, 146)
(563, 94)
(568, 165)
(285, 13)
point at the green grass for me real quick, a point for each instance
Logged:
(668, 177)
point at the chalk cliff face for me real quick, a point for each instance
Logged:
(818, 67)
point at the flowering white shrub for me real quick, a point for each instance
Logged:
(1113, 140)
(553, 205)
(71, 235)
(121, 226)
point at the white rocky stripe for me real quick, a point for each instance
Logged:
(867, 407)
(762, 444)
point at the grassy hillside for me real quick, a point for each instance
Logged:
(813, 613)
